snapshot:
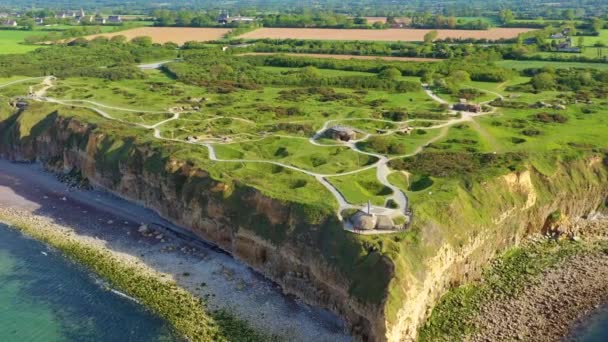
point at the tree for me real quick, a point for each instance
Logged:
(360, 21)
(119, 39)
(506, 16)
(459, 77)
(439, 21)
(543, 81)
(143, 41)
(27, 24)
(430, 36)
(390, 73)
(580, 42)
(452, 22)
(568, 14)
(597, 24)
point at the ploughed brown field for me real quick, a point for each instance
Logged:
(408, 35)
(322, 55)
(178, 35)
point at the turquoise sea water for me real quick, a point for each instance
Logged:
(47, 298)
(594, 329)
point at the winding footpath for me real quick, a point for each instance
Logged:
(398, 197)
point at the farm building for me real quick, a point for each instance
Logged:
(84, 19)
(114, 19)
(224, 18)
(567, 46)
(10, 23)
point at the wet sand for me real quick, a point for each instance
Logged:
(103, 219)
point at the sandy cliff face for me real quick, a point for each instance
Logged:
(516, 205)
(273, 236)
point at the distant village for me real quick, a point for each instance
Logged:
(76, 17)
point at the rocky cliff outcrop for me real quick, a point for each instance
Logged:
(384, 289)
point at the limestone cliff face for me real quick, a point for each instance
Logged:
(506, 210)
(307, 259)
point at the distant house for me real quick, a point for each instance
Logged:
(557, 36)
(10, 23)
(567, 46)
(240, 19)
(4, 15)
(84, 19)
(39, 21)
(100, 20)
(114, 19)
(67, 14)
(223, 18)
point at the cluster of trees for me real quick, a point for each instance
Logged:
(59, 35)
(317, 19)
(185, 18)
(439, 21)
(306, 18)
(102, 58)
(479, 69)
(448, 48)
(460, 164)
(568, 79)
(207, 67)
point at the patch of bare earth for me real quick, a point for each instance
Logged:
(410, 35)
(178, 35)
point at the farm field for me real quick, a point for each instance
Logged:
(412, 35)
(332, 56)
(12, 41)
(178, 35)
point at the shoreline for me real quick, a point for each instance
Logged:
(104, 220)
(543, 290)
(185, 313)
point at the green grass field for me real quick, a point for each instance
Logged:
(12, 41)
(520, 65)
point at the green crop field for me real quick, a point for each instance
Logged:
(12, 40)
